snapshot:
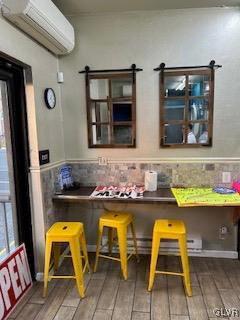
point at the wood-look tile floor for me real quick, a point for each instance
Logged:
(215, 283)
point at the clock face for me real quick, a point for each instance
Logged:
(50, 98)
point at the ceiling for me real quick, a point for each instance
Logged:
(74, 7)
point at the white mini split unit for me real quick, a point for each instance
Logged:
(42, 20)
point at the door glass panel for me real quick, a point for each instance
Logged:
(100, 112)
(198, 85)
(174, 86)
(8, 222)
(121, 87)
(99, 88)
(174, 109)
(101, 134)
(122, 111)
(122, 134)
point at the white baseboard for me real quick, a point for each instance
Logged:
(219, 254)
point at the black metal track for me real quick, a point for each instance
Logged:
(211, 65)
(133, 68)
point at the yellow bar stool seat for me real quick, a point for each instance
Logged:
(170, 229)
(73, 234)
(116, 222)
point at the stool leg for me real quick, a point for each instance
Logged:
(154, 258)
(84, 249)
(185, 264)
(134, 240)
(56, 255)
(100, 231)
(48, 249)
(122, 242)
(77, 264)
(110, 240)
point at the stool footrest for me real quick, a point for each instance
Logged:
(114, 244)
(112, 258)
(69, 256)
(108, 257)
(129, 256)
(61, 277)
(85, 268)
(170, 273)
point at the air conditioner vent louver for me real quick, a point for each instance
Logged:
(42, 21)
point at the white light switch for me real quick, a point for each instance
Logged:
(60, 77)
(226, 177)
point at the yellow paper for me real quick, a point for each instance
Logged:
(193, 197)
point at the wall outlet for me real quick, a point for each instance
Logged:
(226, 177)
(223, 231)
(102, 161)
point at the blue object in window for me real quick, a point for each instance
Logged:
(223, 190)
(122, 112)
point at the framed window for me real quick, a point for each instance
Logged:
(186, 107)
(111, 110)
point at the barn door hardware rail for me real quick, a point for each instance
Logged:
(132, 69)
(211, 65)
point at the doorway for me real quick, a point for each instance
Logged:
(15, 209)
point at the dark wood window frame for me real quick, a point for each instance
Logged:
(186, 98)
(110, 101)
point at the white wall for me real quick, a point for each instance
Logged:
(176, 37)
(44, 67)
(48, 123)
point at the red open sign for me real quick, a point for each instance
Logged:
(15, 280)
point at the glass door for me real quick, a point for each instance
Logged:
(15, 206)
(8, 217)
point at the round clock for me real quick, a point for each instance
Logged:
(50, 98)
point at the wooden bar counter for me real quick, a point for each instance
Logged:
(82, 194)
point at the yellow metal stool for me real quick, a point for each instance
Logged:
(170, 229)
(72, 233)
(119, 222)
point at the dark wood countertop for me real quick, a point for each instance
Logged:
(83, 194)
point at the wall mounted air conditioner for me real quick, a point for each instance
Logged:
(42, 20)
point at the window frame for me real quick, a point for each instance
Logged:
(110, 101)
(186, 72)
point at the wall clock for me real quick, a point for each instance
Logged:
(50, 98)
